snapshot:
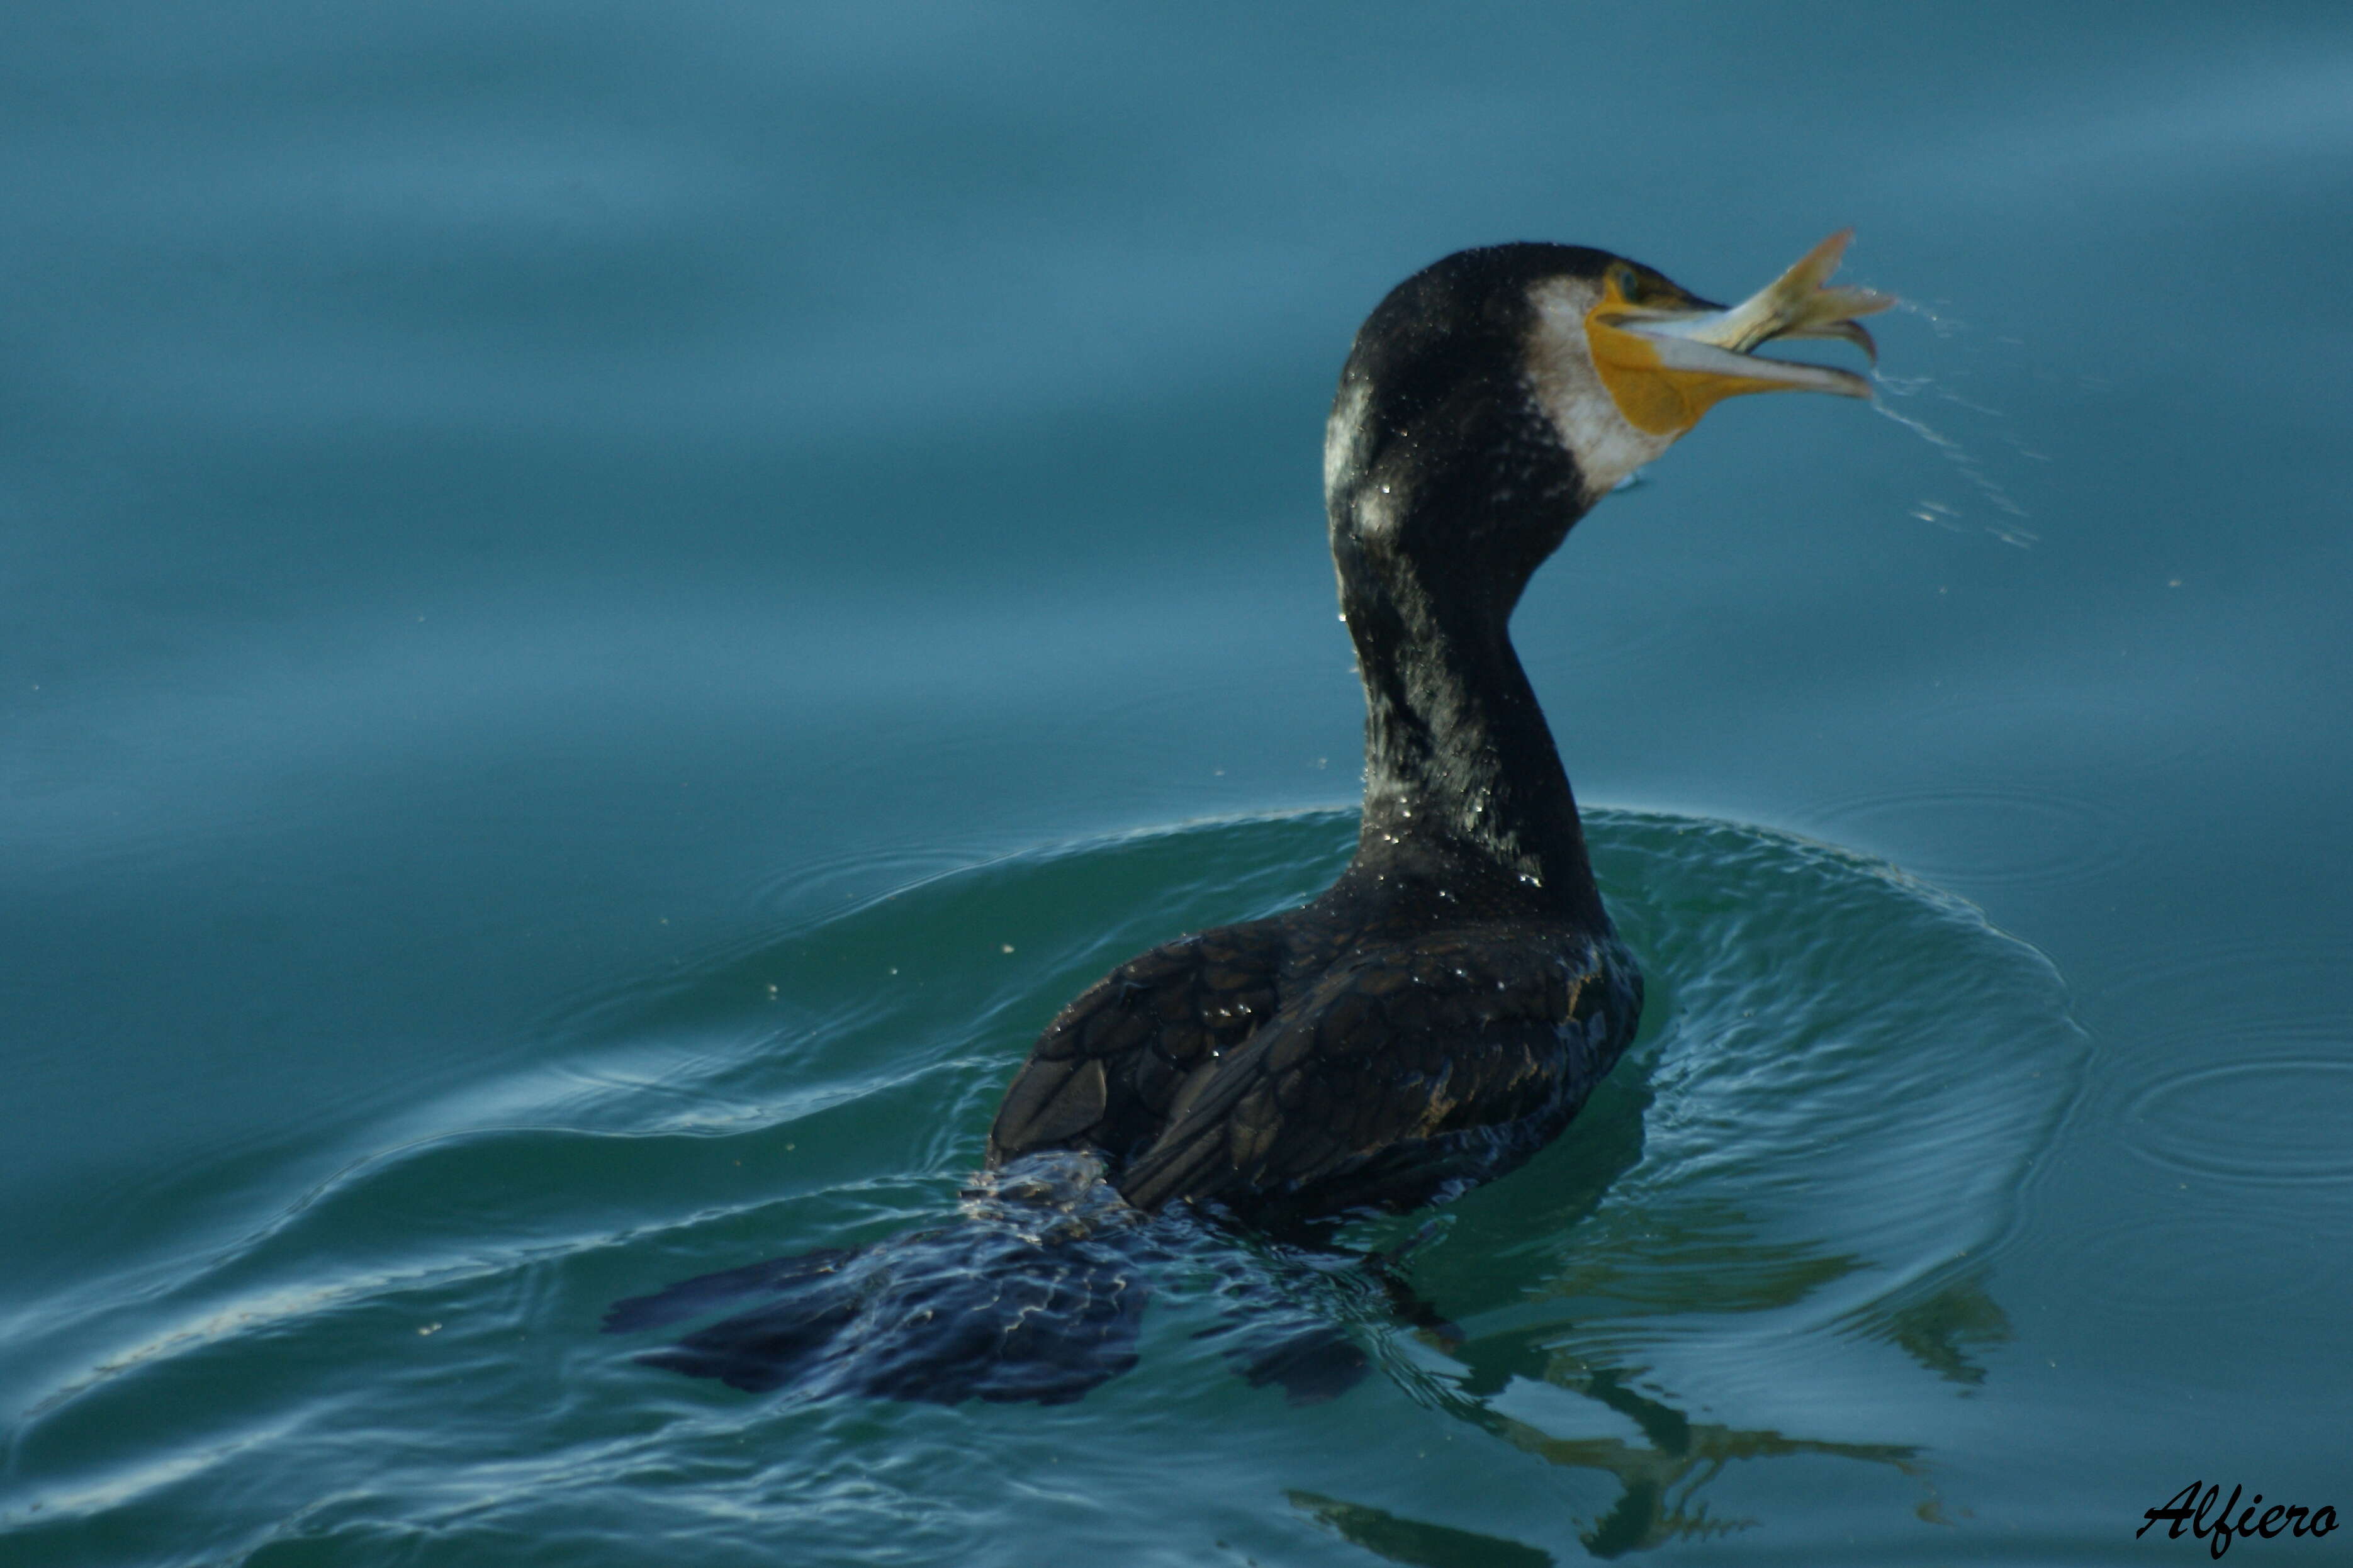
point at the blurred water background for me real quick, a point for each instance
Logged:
(604, 607)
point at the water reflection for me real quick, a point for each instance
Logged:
(1659, 1479)
(1663, 1473)
(1396, 1540)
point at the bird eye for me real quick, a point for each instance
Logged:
(1629, 288)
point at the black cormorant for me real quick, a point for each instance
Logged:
(1445, 1009)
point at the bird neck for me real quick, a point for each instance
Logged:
(1462, 781)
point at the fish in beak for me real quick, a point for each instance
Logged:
(1667, 358)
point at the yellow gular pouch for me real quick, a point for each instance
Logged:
(1667, 358)
(1656, 398)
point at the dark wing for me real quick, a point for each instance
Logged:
(1107, 1071)
(1465, 1030)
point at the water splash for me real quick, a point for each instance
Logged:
(1989, 492)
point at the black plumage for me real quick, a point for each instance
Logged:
(1444, 1009)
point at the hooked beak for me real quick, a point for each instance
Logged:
(1668, 358)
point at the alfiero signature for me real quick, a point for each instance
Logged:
(2186, 1507)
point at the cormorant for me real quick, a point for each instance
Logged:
(1445, 1009)
(1442, 1011)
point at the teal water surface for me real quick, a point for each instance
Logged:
(607, 606)
(1788, 1203)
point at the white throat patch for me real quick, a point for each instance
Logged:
(1560, 374)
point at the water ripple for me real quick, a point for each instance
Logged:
(2276, 1119)
(1786, 1201)
(1989, 835)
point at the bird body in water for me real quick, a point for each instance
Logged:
(1444, 1009)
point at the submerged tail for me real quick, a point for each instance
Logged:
(1036, 1294)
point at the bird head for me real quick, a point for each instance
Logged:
(1492, 397)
